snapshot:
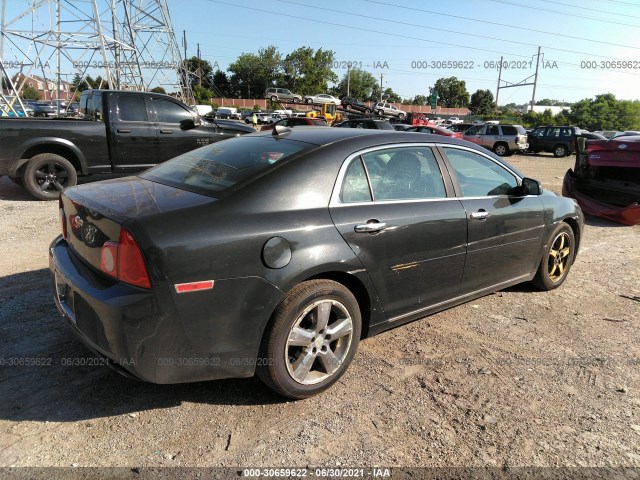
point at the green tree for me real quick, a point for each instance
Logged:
(252, 74)
(308, 71)
(452, 93)
(482, 102)
(158, 90)
(244, 72)
(361, 84)
(221, 85)
(420, 100)
(390, 96)
(30, 93)
(202, 95)
(605, 112)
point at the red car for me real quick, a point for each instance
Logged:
(297, 122)
(435, 129)
(606, 179)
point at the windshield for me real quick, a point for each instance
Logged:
(213, 169)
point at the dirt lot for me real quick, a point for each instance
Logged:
(518, 378)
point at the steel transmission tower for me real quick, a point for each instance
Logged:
(130, 44)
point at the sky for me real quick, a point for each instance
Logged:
(408, 41)
(587, 47)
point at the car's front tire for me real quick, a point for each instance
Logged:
(557, 259)
(47, 174)
(401, 116)
(274, 98)
(311, 339)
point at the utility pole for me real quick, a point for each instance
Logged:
(381, 91)
(535, 81)
(58, 56)
(348, 77)
(199, 67)
(499, 77)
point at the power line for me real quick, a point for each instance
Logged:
(379, 32)
(500, 24)
(589, 9)
(573, 14)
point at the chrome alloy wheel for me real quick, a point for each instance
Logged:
(559, 257)
(318, 342)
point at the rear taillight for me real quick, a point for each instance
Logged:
(63, 219)
(123, 260)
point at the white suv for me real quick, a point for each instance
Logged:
(386, 109)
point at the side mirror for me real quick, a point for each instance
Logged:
(530, 187)
(187, 124)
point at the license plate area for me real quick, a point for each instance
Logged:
(65, 297)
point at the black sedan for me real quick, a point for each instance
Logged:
(276, 253)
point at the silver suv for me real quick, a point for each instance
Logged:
(386, 109)
(504, 140)
(282, 94)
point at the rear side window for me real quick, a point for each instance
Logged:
(509, 130)
(213, 169)
(132, 108)
(402, 174)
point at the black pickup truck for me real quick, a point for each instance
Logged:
(118, 132)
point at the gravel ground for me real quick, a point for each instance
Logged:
(517, 378)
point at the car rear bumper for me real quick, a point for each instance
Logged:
(160, 336)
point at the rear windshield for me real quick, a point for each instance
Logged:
(213, 169)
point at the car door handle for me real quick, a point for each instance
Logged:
(479, 215)
(166, 131)
(372, 227)
(123, 130)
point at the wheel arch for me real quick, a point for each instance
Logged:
(61, 147)
(573, 223)
(357, 288)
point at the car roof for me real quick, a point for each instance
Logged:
(326, 135)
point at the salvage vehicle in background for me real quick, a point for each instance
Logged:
(555, 139)
(202, 268)
(297, 122)
(503, 140)
(118, 132)
(605, 180)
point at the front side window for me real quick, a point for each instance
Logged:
(479, 176)
(395, 174)
(170, 112)
(474, 130)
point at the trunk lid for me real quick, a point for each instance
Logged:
(95, 213)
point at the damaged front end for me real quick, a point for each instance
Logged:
(606, 179)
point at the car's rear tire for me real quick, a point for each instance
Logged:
(47, 174)
(347, 107)
(557, 258)
(380, 113)
(311, 339)
(501, 149)
(560, 151)
(367, 111)
(307, 100)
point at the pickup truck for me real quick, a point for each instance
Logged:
(117, 132)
